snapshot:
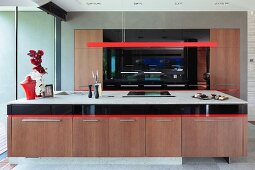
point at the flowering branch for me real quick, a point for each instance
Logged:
(36, 59)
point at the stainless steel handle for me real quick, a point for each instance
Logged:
(129, 72)
(41, 120)
(128, 85)
(152, 72)
(213, 120)
(164, 120)
(90, 120)
(127, 120)
(176, 85)
(152, 85)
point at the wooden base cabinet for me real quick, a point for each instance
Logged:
(127, 137)
(214, 137)
(41, 137)
(163, 137)
(90, 137)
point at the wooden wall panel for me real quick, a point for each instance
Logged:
(87, 59)
(201, 64)
(84, 36)
(226, 37)
(225, 61)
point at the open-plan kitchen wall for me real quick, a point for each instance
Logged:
(150, 20)
(35, 32)
(251, 64)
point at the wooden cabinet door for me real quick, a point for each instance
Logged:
(163, 137)
(87, 59)
(90, 137)
(225, 61)
(213, 137)
(41, 137)
(127, 137)
(58, 137)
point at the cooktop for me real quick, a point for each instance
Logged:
(148, 94)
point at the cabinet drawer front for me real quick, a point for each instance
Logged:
(127, 136)
(163, 137)
(90, 137)
(212, 137)
(27, 138)
(41, 137)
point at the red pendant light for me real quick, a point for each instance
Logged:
(150, 44)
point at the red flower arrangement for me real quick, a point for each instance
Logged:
(36, 59)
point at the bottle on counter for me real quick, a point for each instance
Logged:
(96, 93)
(90, 91)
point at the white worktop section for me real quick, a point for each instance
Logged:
(182, 97)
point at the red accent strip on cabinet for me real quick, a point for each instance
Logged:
(134, 115)
(151, 44)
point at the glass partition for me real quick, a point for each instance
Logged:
(35, 32)
(7, 57)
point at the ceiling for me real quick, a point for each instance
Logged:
(141, 5)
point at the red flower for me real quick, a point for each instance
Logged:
(32, 53)
(40, 69)
(36, 59)
(40, 53)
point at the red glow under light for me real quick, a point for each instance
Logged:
(151, 44)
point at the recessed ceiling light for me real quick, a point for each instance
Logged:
(178, 3)
(222, 3)
(94, 3)
(138, 3)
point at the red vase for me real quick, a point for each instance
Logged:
(29, 86)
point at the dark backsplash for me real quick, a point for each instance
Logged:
(151, 68)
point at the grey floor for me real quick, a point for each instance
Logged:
(247, 163)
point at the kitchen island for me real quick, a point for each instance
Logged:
(115, 125)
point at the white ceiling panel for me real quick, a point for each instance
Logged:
(142, 5)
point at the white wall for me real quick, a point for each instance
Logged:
(251, 65)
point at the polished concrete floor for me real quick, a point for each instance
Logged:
(247, 163)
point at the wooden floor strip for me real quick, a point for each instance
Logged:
(5, 165)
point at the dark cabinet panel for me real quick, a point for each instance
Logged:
(62, 109)
(36, 109)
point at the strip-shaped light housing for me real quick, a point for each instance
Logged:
(151, 44)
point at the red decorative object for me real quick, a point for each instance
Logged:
(29, 86)
(151, 44)
(36, 59)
